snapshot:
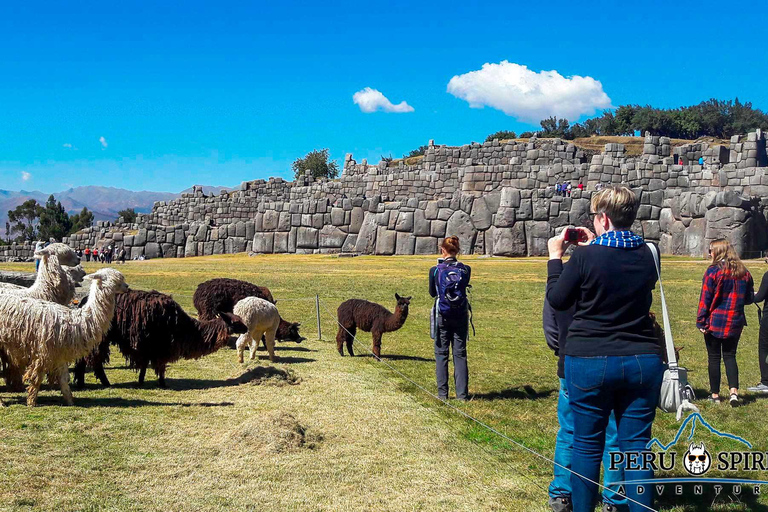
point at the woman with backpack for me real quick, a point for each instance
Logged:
(727, 286)
(448, 282)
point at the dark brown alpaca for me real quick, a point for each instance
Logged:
(150, 328)
(220, 296)
(369, 317)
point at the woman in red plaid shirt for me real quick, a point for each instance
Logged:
(726, 288)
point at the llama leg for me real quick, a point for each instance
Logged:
(242, 341)
(270, 341)
(79, 370)
(14, 380)
(160, 371)
(253, 344)
(340, 337)
(99, 373)
(34, 376)
(377, 343)
(142, 373)
(351, 340)
(64, 385)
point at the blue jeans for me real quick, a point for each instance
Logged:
(627, 385)
(561, 484)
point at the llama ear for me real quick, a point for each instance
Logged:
(397, 297)
(275, 302)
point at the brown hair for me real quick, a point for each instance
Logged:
(618, 203)
(451, 245)
(725, 257)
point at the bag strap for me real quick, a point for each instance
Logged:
(671, 358)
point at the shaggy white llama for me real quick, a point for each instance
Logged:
(44, 337)
(74, 276)
(53, 282)
(261, 318)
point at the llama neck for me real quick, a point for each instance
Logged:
(96, 317)
(396, 319)
(51, 282)
(206, 337)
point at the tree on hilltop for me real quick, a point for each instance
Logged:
(501, 135)
(129, 215)
(317, 164)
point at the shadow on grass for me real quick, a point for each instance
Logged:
(397, 357)
(517, 393)
(258, 373)
(88, 402)
(702, 396)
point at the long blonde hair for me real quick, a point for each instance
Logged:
(725, 257)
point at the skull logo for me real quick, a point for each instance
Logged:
(697, 460)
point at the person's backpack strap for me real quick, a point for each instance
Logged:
(671, 358)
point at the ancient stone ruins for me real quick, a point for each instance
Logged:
(499, 198)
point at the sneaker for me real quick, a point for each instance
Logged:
(607, 507)
(560, 504)
(760, 388)
(714, 399)
(734, 400)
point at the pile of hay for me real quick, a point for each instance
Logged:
(269, 376)
(273, 432)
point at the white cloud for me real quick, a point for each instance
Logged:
(103, 142)
(529, 96)
(370, 100)
(25, 175)
(67, 145)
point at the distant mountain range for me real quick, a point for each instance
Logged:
(104, 202)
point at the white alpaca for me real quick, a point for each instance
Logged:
(261, 318)
(53, 282)
(58, 276)
(74, 276)
(45, 337)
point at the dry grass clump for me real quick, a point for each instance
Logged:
(269, 376)
(273, 432)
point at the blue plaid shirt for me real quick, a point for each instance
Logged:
(620, 239)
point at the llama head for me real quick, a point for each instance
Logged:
(697, 460)
(108, 281)
(65, 254)
(288, 331)
(235, 324)
(403, 302)
(76, 274)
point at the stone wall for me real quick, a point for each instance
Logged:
(497, 197)
(17, 252)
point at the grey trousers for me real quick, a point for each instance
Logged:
(452, 337)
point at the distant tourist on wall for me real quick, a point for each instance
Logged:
(581, 185)
(95, 254)
(680, 161)
(727, 286)
(569, 189)
(558, 188)
(121, 255)
(701, 161)
(87, 254)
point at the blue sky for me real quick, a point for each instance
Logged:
(219, 92)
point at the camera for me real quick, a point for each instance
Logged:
(572, 235)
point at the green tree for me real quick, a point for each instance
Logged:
(54, 220)
(416, 152)
(81, 220)
(24, 220)
(129, 215)
(317, 164)
(501, 135)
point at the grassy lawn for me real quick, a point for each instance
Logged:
(357, 437)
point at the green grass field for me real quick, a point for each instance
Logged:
(366, 438)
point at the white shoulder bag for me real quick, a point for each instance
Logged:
(676, 393)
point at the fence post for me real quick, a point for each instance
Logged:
(317, 311)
